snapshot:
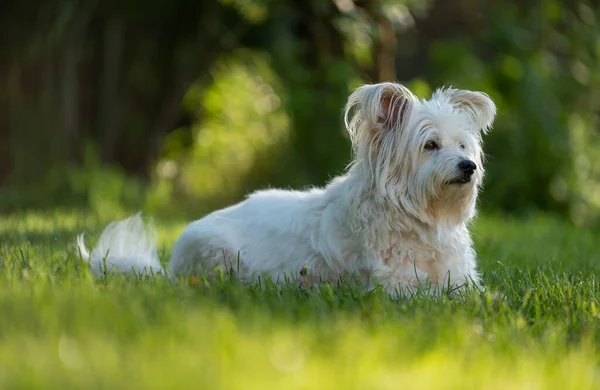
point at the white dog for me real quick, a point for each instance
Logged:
(398, 217)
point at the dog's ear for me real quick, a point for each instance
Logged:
(384, 106)
(395, 102)
(477, 105)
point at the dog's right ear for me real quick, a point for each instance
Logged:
(384, 106)
(478, 106)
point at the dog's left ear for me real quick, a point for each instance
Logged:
(376, 110)
(477, 105)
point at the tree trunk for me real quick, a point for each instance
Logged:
(70, 82)
(110, 109)
(316, 123)
(386, 43)
(5, 160)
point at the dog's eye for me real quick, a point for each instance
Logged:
(462, 146)
(431, 145)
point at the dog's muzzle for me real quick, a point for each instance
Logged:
(466, 168)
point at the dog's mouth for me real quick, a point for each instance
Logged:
(460, 180)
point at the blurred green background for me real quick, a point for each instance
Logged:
(178, 107)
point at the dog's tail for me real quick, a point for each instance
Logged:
(127, 246)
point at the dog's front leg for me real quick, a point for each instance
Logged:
(402, 279)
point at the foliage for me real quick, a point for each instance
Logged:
(151, 85)
(233, 137)
(538, 63)
(537, 327)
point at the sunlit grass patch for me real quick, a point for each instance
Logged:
(536, 327)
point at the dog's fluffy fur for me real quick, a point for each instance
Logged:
(398, 217)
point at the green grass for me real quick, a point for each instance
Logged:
(61, 329)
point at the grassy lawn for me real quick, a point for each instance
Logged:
(60, 329)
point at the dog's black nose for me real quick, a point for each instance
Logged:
(467, 166)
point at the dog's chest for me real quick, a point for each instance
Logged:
(430, 256)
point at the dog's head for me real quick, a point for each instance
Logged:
(421, 156)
